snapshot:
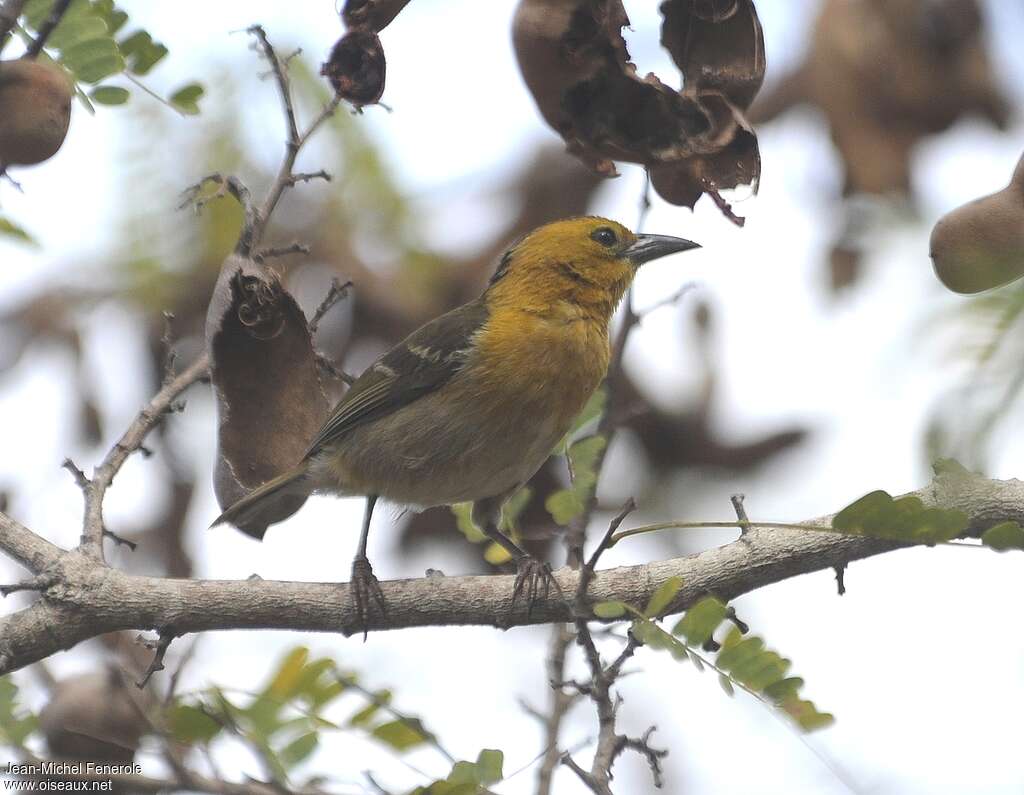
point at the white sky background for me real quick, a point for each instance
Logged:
(921, 707)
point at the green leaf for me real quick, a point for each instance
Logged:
(399, 734)
(610, 609)
(700, 621)
(10, 229)
(663, 597)
(489, 764)
(591, 411)
(736, 654)
(191, 725)
(113, 16)
(650, 634)
(564, 505)
(806, 715)
(512, 508)
(77, 28)
(907, 519)
(186, 99)
(464, 521)
(365, 715)
(496, 554)
(93, 60)
(298, 749)
(109, 95)
(16, 724)
(1004, 537)
(141, 53)
(784, 688)
(287, 678)
(726, 685)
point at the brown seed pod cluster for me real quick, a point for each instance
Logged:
(694, 141)
(980, 245)
(356, 67)
(886, 74)
(35, 110)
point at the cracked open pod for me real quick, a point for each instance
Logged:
(693, 141)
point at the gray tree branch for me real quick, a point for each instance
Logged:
(82, 597)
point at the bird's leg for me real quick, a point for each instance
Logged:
(533, 577)
(365, 586)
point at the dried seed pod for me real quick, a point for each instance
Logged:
(721, 50)
(356, 67)
(373, 15)
(35, 110)
(270, 399)
(92, 716)
(980, 245)
(576, 64)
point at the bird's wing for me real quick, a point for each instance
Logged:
(419, 364)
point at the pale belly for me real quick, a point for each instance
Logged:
(442, 449)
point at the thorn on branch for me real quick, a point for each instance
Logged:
(335, 293)
(38, 583)
(741, 513)
(80, 479)
(227, 185)
(653, 755)
(742, 626)
(578, 687)
(119, 540)
(159, 647)
(588, 570)
(303, 176)
(283, 251)
(841, 579)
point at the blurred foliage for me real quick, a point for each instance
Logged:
(16, 723)
(989, 342)
(741, 661)
(283, 722)
(92, 43)
(10, 229)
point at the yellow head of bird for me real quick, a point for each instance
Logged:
(587, 261)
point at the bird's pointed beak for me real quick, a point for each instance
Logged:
(648, 247)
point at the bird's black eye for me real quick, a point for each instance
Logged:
(605, 236)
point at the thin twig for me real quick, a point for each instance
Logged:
(160, 647)
(295, 140)
(561, 701)
(335, 293)
(281, 251)
(60, 7)
(162, 403)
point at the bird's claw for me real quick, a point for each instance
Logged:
(366, 588)
(533, 579)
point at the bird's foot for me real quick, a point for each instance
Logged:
(533, 580)
(366, 588)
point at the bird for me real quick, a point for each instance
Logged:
(470, 405)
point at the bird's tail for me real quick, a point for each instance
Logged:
(272, 502)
